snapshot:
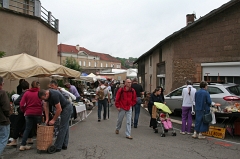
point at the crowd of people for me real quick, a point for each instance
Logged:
(34, 102)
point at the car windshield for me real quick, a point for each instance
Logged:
(234, 90)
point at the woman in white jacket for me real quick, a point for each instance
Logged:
(188, 95)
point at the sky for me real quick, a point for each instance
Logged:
(123, 28)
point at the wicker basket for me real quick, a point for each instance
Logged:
(44, 136)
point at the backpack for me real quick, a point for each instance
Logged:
(101, 95)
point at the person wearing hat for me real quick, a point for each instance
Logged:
(73, 90)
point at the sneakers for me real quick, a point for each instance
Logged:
(129, 137)
(117, 131)
(188, 133)
(13, 143)
(26, 147)
(194, 135)
(200, 136)
(183, 133)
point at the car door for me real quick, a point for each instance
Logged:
(174, 99)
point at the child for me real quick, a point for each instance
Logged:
(166, 121)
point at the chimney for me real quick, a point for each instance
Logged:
(78, 47)
(190, 18)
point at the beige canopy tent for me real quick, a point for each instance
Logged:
(24, 66)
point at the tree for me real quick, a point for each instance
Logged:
(70, 62)
(2, 53)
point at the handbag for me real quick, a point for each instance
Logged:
(207, 118)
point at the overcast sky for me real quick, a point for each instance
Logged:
(123, 28)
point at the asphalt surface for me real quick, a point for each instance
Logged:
(90, 139)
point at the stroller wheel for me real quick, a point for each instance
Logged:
(174, 134)
(51, 149)
(162, 135)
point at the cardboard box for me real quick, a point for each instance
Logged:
(217, 132)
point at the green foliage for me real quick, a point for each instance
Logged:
(70, 62)
(2, 53)
(128, 63)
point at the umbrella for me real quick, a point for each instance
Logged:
(163, 107)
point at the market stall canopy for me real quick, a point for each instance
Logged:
(24, 66)
(91, 75)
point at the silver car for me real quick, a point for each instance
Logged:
(225, 94)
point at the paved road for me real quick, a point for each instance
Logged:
(90, 139)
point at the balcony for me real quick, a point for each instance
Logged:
(32, 8)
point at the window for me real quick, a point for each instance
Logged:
(177, 92)
(89, 63)
(214, 90)
(118, 66)
(197, 87)
(95, 64)
(101, 64)
(237, 80)
(106, 65)
(83, 63)
(111, 65)
(80, 63)
(234, 90)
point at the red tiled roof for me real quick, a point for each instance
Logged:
(72, 49)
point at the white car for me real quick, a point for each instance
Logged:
(225, 94)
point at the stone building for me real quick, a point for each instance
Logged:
(90, 62)
(207, 48)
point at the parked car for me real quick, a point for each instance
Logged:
(225, 94)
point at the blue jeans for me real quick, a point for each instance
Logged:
(4, 134)
(121, 115)
(102, 103)
(137, 111)
(30, 122)
(63, 135)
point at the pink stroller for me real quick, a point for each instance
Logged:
(165, 123)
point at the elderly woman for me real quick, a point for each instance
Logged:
(203, 103)
(155, 97)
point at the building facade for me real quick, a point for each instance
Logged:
(26, 26)
(28, 30)
(190, 52)
(90, 62)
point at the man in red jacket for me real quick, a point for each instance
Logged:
(31, 106)
(125, 99)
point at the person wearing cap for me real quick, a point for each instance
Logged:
(73, 90)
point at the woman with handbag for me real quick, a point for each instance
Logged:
(155, 97)
(202, 107)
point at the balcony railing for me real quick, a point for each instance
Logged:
(33, 8)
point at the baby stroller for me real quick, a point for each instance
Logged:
(163, 119)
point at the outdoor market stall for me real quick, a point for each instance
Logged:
(23, 66)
